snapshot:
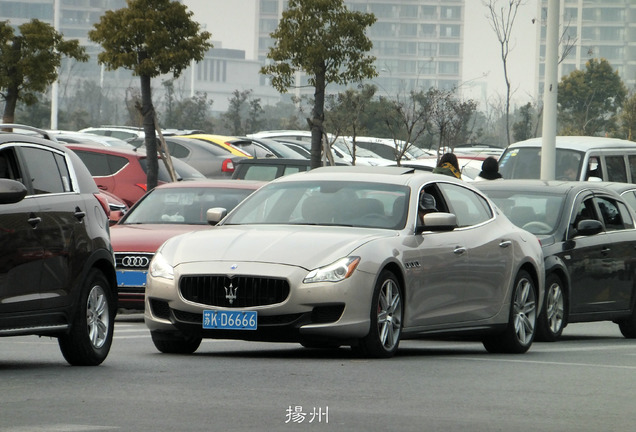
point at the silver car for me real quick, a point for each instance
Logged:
(344, 256)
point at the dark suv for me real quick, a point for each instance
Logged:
(57, 272)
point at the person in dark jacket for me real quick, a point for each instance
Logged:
(489, 170)
(448, 165)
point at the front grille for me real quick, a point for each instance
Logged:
(132, 261)
(236, 292)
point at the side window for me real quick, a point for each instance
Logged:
(630, 197)
(610, 213)
(616, 170)
(96, 163)
(631, 160)
(594, 168)
(626, 216)
(266, 173)
(48, 170)
(291, 170)
(100, 164)
(585, 211)
(469, 207)
(9, 168)
(177, 150)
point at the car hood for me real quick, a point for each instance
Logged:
(146, 237)
(308, 247)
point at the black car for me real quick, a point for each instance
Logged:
(57, 271)
(269, 168)
(588, 235)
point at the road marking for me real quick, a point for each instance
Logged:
(58, 428)
(594, 365)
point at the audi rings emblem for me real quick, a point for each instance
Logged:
(135, 261)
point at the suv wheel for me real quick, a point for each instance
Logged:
(91, 334)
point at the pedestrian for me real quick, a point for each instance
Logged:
(489, 170)
(448, 165)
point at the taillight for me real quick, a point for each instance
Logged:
(228, 165)
(144, 186)
(104, 203)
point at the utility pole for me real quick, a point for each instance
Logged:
(548, 143)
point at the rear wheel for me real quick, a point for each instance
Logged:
(519, 334)
(91, 335)
(175, 343)
(553, 318)
(628, 326)
(386, 319)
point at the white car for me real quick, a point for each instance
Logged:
(340, 256)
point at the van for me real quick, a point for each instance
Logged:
(577, 158)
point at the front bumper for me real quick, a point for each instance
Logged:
(317, 311)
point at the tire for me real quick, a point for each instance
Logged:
(91, 334)
(553, 318)
(175, 343)
(627, 326)
(386, 319)
(519, 333)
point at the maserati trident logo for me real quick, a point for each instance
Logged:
(230, 293)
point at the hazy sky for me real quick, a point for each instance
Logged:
(232, 22)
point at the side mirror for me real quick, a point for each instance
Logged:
(11, 191)
(438, 221)
(214, 215)
(589, 227)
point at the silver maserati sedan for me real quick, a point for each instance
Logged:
(354, 256)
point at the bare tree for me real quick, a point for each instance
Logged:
(407, 119)
(502, 19)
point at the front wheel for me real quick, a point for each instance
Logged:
(519, 333)
(553, 318)
(386, 319)
(175, 343)
(91, 334)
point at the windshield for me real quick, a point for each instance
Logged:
(186, 205)
(357, 204)
(536, 212)
(525, 163)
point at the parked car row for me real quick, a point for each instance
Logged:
(359, 256)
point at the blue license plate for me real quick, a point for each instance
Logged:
(131, 278)
(229, 320)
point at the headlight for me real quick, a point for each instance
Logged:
(159, 267)
(335, 272)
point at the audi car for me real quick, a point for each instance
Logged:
(343, 256)
(167, 210)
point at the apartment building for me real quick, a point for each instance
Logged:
(417, 43)
(595, 29)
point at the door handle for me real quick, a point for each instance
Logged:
(79, 214)
(34, 220)
(505, 243)
(459, 250)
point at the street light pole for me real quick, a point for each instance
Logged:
(548, 143)
(54, 86)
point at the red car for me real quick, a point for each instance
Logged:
(164, 212)
(122, 172)
(117, 207)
